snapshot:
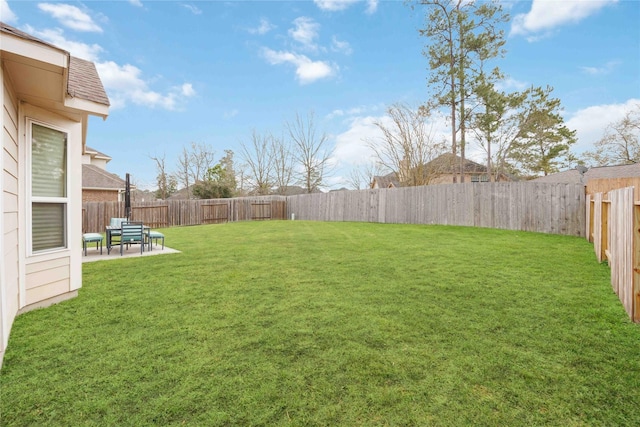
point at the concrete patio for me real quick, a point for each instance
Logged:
(93, 254)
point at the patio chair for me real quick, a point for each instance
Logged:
(155, 235)
(132, 233)
(91, 238)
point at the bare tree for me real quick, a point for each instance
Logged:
(201, 159)
(620, 143)
(258, 157)
(166, 182)
(183, 174)
(361, 176)
(310, 151)
(283, 163)
(407, 146)
(193, 164)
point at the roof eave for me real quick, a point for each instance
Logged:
(90, 107)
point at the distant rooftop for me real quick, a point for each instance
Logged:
(572, 176)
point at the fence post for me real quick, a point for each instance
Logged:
(604, 228)
(635, 314)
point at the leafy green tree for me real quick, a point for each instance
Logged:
(461, 34)
(496, 124)
(543, 141)
(229, 178)
(214, 185)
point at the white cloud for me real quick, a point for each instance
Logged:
(590, 123)
(137, 3)
(307, 71)
(353, 112)
(604, 69)
(6, 13)
(125, 84)
(352, 146)
(341, 46)
(71, 17)
(511, 83)
(334, 5)
(187, 89)
(372, 6)
(193, 9)
(338, 5)
(231, 114)
(546, 15)
(305, 32)
(264, 27)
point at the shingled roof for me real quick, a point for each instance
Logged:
(94, 177)
(572, 176)
(4, 28)
(444, 164)
(83, 80)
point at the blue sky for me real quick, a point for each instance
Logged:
(211, 72)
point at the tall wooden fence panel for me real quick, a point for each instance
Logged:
(527, 206)
(615, 231)
(604, 185)
(620, 254)
(169, 213)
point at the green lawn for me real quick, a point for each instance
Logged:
(303, 323)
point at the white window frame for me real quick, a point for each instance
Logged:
(39, 199)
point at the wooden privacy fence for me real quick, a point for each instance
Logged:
(614, 228)
(526, 206)
(169, 213)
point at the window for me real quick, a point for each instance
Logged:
(49, 198)
(479, 178)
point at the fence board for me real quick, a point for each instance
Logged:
(596, 232)
(604, 185)
(547, 208)
(170, 213)
(620, 243)
(527, 206)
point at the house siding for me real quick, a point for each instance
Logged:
(9, 247)
(47, 279)
(54, 275)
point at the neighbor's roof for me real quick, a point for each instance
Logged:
(572, 176)
(95, 153)
(386, 181)
(450, 163)
(83, 79)
(97, 178)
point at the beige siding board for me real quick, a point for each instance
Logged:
(10, 202)
(10, 183)
(10, 223)
(9, 266)
(47, 276)
(49, 290)
(38, 266)
(10, 136)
